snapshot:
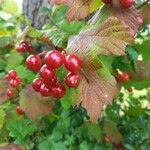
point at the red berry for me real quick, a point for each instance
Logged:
(36, 84)
(9, 93)
(44, 91)
(54, 59)
(47, 73)
(72, 63)
(21, 48)
(19, 110)
(12, 74)
(107, 1)
(58, 91)
(126, 3)
(33, 62)
(30, 48)
(122, 77)
(72, 80)
(107, 139)
(51, 82)
(15, 82)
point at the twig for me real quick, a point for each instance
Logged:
(143, 4)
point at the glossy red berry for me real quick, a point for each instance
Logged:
(126, 3)
(58, 91)
(12, 74)
(107, 1)
(15, 82)
(72, 63)
(21, 48)
(72, 80)
(36, 84)
(44, 91)
(19, 110)
(122, 77)
(9, 93)
(51, 82)
(33, 62)
(54, 59)
(47, 73)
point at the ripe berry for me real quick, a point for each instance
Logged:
(47, 73)
(19, 110)
(122, 77)
(33, 62)
(22, 48)
(72, 63)
(36, 84)
(54, 59)
(58, 91)
(72, 80)
(15, 82)
(44, 91)
(126, 3)
(107, 1)
(9, 93)
(51, 82)
(12, 74)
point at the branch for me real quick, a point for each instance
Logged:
(143, 4)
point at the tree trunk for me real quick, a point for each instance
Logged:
(31, 10)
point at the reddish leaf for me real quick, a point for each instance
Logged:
(108, 38)
(97, 91)
(12, 147)
(34, 104)
(77, 9)
(142, 71)
(129, 16)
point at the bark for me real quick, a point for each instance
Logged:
(31, 11)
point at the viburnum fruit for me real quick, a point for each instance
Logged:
(122, 77)
(107, 1)
(54, 59)
(58, 91)
(15, 82)
(9, 93)
(126, 3)
(12, 74)
(47, 73)
(72, 63)
(23, 47)
(44, 91)
(36, 84)
(51, 82)
(72, 80)
(33, 62)
(19, 110)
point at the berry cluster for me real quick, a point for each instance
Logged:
(122, 77)
(14, 81)
(24, 47)
(123, 3)
(48, 84)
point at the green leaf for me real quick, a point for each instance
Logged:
(84, 146)
(143, 49)
(2, 118)
(131, 53)
(14, 60)
(2, 64)
(34, 33)
(91, 130)
(69, 99)
(5, 40)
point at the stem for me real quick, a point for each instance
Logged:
(143, 4)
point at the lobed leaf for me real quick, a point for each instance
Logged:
(34, 104)
(97, 89)
(108, 38)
